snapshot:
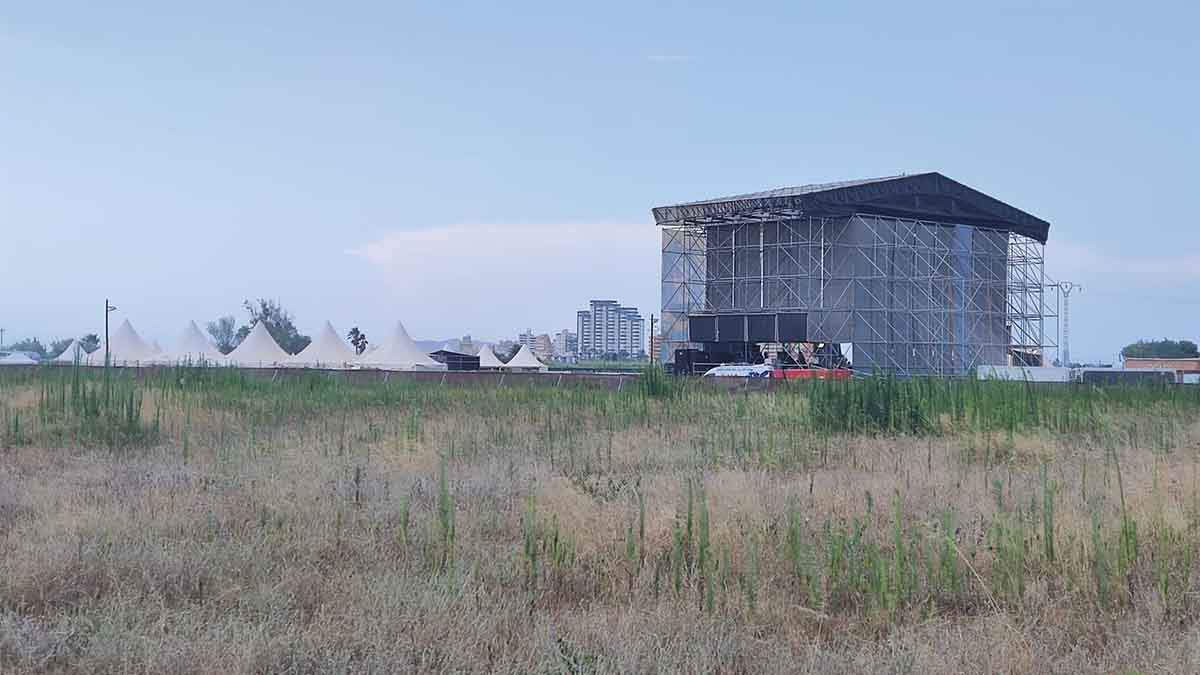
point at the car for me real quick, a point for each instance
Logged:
(740, 370)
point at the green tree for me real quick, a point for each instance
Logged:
(90, 342)
(279, 324)
(1161, 349)
(224, 333)
(28, 345)
(58, 347)
(358, 339)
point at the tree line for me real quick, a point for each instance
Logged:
(89, 342)
(1161, 349)
(227, 335)
(225, 332)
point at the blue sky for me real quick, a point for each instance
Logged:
(489, 167)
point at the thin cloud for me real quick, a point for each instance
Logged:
(1073, 261)
(495, 280)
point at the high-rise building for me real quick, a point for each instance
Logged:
(583, 328)
(466, 345)
(543, 347)
(503, 348)
(610, 330)
(566, 344)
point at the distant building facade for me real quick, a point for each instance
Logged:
(467, 346)
(541, 344)
(543, 347)
(503, 347)
(608, 329)
(566, 345)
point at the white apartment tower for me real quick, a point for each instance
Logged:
(608, 329)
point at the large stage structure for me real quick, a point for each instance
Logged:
(914, 274)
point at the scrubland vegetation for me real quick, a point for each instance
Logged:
(212, 521)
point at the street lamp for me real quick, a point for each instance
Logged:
(108, 309)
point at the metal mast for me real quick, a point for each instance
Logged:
(1067, 287)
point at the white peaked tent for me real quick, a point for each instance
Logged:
(73, 352)
(523, 360)
(400, 353)
(258, 350)
(16, 359)
(125, 347)
(488, 359)
(193, 347)
(327, 350)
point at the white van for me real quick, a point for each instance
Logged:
(761, 370)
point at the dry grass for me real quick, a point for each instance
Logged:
(281, 546)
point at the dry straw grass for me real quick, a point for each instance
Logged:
(194, 522)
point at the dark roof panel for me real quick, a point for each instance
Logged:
(795, 191)
(923, 196)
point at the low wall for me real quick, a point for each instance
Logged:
(451, 378)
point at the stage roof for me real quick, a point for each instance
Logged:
(923, 196)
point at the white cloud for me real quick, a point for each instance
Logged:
(496, 279)
(1126, 296)
(1074, 261)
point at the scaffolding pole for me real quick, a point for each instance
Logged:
(913, 297)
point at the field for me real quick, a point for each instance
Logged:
(211, 522)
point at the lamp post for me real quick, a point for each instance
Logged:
(1067, 288)
(108, 309)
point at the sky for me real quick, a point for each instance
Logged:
(489, 167)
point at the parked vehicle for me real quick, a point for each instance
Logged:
(744, 370)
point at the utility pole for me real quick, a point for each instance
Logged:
(108, 309)
(653, 355)
(1067, 288)
(1, 338)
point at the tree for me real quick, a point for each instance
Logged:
(1161, 349)
(224, 333)
(358, 339)
(28, 345)
(508, 354)
(90, 342)
(58, 347)
(278, 322)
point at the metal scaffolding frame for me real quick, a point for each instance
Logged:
(914, 297)
(1027, 308)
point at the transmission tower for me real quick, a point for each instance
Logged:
(1067, 288)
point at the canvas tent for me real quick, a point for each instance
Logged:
(327, 350)
(488, 359)
(74, 353)
(17, 359)
(258, 350)
(400, 353)
(125, 347)
(193, 347)
(524, 360)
